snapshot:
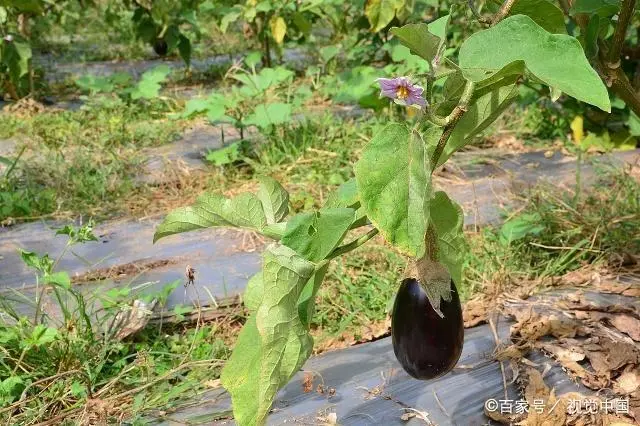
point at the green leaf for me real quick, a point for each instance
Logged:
(274, 343)
(380, 13)
(149, 85)
(556, 59)
(227, 155)
(543, 12)
(95, 84)
(243, 211)
(602, 8)
(424, 40)
(16, 56)
(448, 220)
(253, 59)
(346, 195)
(314, 235)
(41, 264)
(634, 124)
(480, 115)
(394, 184)
(520, 226)
(78, 389)
(41, 335)
(229, 18)
(591, 37)
(274, 199)
(266, 115)
(327, 53)
(306, 303)
(301, 23)
(29, 6)
(10, 389)
(241, 374)
(58, 278)
(254, 292)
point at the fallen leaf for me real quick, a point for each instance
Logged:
(627, 382)
(627, 324)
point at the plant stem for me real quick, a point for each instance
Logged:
(626, 12)
(503, 12)
(450, 122)
(431, 242)
(476, 13)
(338, 251)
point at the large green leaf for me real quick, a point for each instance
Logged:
(394, 183)
(314, 235)
(244, 211)
(479, 116)
(286, 342)
(274, 343)
(543, 12)
(424, 40)
(274, 199)
(556, 59)
(241, 374)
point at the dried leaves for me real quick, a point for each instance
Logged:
(594, 341)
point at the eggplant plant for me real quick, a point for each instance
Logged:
(392, 195)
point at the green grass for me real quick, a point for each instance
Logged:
(556, 232)
(84, 161)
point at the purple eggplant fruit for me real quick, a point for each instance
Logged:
(161, 47)
(426, 345)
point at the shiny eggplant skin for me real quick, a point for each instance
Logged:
(161, 47)
(426, 345)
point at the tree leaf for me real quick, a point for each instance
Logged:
(424, 40)
(556, 59)
(274, 199)
(274, 342)
(278, 29)
(479, 116)
(448, 220)
(254, 292)
(243, 211)
(394, 184)
(314, 235)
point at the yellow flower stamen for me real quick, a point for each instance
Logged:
(402, 92)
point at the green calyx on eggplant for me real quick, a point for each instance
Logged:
(426, 341)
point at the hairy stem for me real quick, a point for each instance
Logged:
(503, 11)
(624, 18)
(450, 122)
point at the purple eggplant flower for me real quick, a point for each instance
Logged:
(402, 91)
